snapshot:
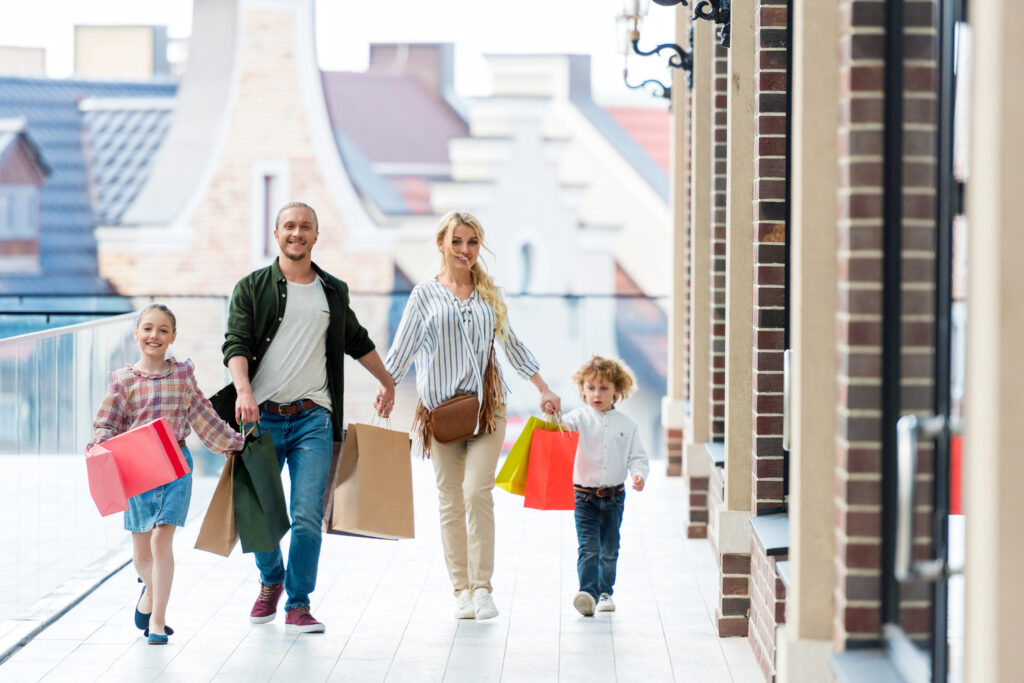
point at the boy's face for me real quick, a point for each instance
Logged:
(599, 393)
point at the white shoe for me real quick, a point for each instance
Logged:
(483, 604)
(464, 607)
(605, 603)
(584, 603)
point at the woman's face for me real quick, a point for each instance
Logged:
(461, 250)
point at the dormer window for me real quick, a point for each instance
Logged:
(22, 174)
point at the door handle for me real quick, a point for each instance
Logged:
(786, 370)
(909, 429)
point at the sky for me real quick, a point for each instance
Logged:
(345, 28)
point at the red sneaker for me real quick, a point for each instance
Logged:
(265, 608)
(299, 620)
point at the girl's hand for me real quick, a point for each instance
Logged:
(638, 483)
(550, 403)
(385, 401)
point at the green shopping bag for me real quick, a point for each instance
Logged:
(260, 508)
(512, 476)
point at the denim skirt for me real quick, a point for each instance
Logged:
(167, 504)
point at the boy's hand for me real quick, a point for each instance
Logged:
(638, 482)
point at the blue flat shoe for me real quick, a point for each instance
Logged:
(167, 631)
(141, 620)
(156, 639)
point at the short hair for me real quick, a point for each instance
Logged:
(609, 369)
(292, 205)
(157, 307)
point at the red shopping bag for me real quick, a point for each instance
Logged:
(143, 458)
(549, 477)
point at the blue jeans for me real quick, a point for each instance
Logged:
(304, 441)
(597, 531)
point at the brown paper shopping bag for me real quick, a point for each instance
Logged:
(373, 485)
(219, 532)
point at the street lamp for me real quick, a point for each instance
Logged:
(629, 21)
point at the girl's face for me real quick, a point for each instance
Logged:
(461, 250)
(155, 333)
(599, 393)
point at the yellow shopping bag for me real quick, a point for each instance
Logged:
(512, 476)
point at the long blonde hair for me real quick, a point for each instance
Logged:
(483, 282)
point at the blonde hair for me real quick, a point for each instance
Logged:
(610, 370)
(483, 282)
(157, 307)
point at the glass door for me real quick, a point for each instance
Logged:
(923, 328)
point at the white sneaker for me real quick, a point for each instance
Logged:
(584, 603)
(483, 604)
(464, 605)
(605, 603)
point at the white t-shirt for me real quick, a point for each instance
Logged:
(295, 365)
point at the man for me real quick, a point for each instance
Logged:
(289, 326)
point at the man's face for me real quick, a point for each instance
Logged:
(296, 233)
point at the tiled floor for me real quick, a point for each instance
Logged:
(388, 611)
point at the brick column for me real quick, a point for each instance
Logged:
(673, 406)
(770, 252)
(696, 467)
(718, 240)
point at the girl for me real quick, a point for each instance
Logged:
(609, 452)
(157, 387)
(449, 327)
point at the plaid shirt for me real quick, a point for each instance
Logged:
(135, 397)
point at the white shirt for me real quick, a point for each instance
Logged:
(450, 341)
(295, 364)
(609, 448)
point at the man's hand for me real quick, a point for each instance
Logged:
(385, 401)
(246, 410)
(638, 482)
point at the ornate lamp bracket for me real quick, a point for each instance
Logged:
(713, 10)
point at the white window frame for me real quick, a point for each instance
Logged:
(19, 212)
(263, 208)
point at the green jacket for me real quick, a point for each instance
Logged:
(256, 311)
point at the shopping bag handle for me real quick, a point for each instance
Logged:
(556, 417)
(379, 421)
(255, 428)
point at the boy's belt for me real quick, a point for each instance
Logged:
(601, 491)
(286, 409)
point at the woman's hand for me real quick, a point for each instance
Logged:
(550, 403)
(385, 401)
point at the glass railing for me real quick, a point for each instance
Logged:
(52, 382)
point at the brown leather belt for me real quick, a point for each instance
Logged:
(286, 409)
(601, 491)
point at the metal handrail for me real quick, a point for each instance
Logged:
(57, 331)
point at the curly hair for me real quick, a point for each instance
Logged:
(482, 281)
(610, 370)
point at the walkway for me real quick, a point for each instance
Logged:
(388, 611)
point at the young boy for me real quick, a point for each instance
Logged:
(609, 450)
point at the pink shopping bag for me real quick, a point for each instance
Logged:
(143, 458)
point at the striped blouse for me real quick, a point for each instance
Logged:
(437, 331)
(135, 397)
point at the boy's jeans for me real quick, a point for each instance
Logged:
(597, 530)
(304, 441)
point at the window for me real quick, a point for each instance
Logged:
(270, 191)
(19, 212)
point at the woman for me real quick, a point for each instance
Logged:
(448, 329)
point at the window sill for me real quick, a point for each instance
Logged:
(864, 666)
(772, 533)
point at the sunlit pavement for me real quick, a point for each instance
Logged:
(388, 609)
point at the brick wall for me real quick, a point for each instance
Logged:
(697, 526)
(769, 252)
(858, 506)
(767, 608)
(718, 242)
(267, 123)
